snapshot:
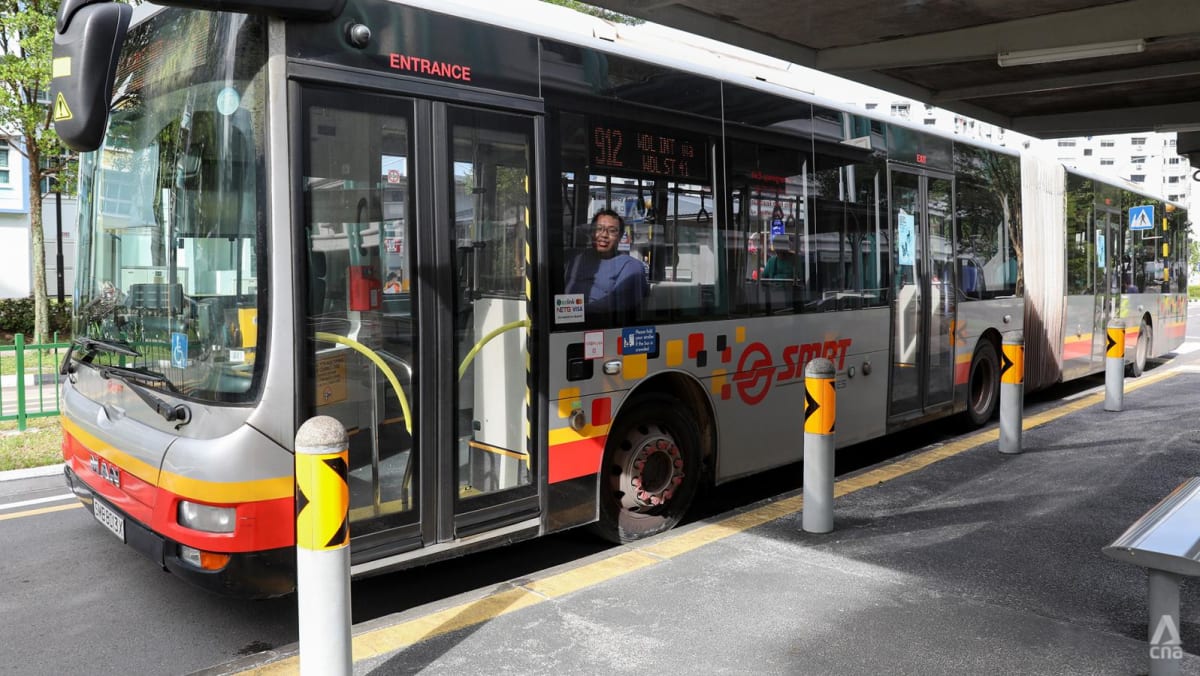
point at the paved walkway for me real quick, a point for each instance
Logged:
(951, 560)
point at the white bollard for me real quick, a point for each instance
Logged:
(323, 547)
(820, 415)
(1166, 649)
(1114, 367)
(1012, 391)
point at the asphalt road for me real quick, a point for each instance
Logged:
(76, 601)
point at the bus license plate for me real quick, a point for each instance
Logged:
(109, 518)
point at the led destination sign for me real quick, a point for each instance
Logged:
(624, 146)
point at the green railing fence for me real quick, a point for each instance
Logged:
(29, 380)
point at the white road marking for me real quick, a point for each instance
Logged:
(38, 501)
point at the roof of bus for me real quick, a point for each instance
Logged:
(700, 55)
(665, 46)
(680, 50)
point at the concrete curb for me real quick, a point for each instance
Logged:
(32, 472)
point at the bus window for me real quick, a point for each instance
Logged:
(667, 231)
(772, 270)
(1082, 236)
(851, 260)
(988, 222)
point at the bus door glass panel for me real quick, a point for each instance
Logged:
(1107, 288)
(1085, 294)
(943, 293)
(357, 200)
(908, 306)
(491, 203)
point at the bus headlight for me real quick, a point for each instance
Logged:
(206, 517)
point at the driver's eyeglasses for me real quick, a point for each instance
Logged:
(606, 231)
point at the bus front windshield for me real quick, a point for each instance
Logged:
(171, 257)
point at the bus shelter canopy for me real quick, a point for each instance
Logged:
(1046, 68)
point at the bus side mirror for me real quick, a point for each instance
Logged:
(1189, 146)
(87, 42)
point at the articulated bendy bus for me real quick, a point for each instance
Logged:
(369, 210)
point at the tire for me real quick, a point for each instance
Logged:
(983, 385)
(652, 467)
(1141, 351)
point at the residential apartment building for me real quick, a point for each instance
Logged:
(16, 259)
(16, 268)
(1146, 159)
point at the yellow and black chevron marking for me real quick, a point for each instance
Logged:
(1116, 343)
(322, 501)
(529, 384)
(820, 405)
(1012, 364)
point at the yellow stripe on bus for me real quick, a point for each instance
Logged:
(566, 435)
(186, 487)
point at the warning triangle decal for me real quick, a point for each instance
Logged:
(61, 111)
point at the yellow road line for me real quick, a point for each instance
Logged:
(379, 642)
(35, 512)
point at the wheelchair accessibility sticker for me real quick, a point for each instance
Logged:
(179, 350)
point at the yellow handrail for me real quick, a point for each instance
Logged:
(378, 361)
(462, 368)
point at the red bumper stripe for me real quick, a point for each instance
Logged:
(261, 524)
(576, 458)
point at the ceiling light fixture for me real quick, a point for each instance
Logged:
(1071, 53)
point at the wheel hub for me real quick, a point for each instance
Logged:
(652, 472)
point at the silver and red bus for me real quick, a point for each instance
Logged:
(367, 210)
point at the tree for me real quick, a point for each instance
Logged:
(605, 14)
(26, 43)
(1194, 255)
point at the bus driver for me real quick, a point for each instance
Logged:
(612, 283)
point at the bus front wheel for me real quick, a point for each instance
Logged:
(1142, 351)
(983, 384)
(652, 467)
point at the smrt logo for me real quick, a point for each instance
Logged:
(756, 370)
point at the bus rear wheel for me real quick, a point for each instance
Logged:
(652, 467)
(1142, 351)
(983, 384)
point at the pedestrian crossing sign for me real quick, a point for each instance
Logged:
(1141, 218)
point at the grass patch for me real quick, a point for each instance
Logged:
(1194, 292)
(49, 360)
(39, 445)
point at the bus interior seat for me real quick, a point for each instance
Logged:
(156, 297)
(673, 299)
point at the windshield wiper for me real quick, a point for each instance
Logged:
(138, 380)
(90, 346)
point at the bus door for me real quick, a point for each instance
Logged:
(486, 479)
(1108, 279)
(924, 301)
(416, 218)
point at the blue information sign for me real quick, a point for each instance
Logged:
(1141, 218)
(907, 237)
(638, 340)
(179, 350)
